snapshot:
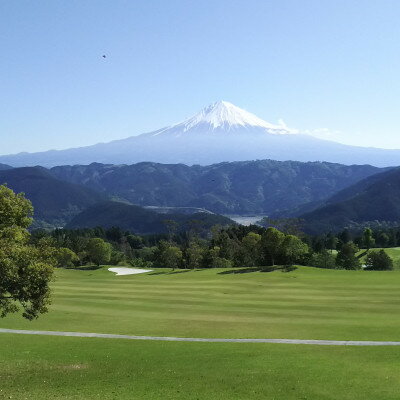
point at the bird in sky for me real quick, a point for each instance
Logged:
(104, 56)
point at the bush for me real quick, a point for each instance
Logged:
(378, 261)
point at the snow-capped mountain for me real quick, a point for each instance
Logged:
(219, 132)
(222, 117)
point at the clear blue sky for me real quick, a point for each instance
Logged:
(316, 64)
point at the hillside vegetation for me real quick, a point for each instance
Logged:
(139, 220)
(263, 186)
(55, 201)
(373, 200)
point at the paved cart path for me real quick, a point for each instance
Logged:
(184, 339)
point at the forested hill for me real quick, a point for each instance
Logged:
(247, 187)
(4, 167)
(142, 221)
(55, 202)
(372, 201)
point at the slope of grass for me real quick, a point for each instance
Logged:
(307, 303)
(75, 368)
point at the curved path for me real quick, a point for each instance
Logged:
(183, 339)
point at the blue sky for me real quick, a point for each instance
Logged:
(329, 67)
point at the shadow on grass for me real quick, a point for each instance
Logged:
(239, 271)
(284, 268)
(181, 271)
(158, 273)
(85, 267)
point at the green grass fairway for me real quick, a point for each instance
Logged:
(73, 368)
(307, 303)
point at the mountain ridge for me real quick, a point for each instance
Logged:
(221, 132)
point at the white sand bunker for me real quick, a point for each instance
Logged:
(128, 271)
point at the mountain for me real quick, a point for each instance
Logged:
(139, 220)
(371, 201)
(55, 202)
(220, 132)
(247, 187)
(4, 167)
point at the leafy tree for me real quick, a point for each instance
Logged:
(367, 238)
(293, 249)
(194, 254)
(331, 242)
(140, 263)
(25, 269)
(136, 242)
(347, 258)
(214, 259)
(378, 261)
(99, 251)
(323, 259)
(169, 256)
(344, 236)
(249, 251)
(66, 258)
(383, 239)
(271, 242)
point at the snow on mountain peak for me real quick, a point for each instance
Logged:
(223, 114)
(226, 116)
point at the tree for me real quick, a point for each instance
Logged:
(25, 269)
(367, 238)
(383, 239)
(347, 258)
(331, 242)
(194, 255)
(378, 261)
(323, 259)
(249, 252)
(293, 249)
(169, 256)
(66, 258)
(214, 259)
(99, 251)
(271, 242)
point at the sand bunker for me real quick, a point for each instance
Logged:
(128, 271)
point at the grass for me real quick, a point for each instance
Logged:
(307, 303)
(75, 368)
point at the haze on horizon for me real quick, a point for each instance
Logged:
(327, 69)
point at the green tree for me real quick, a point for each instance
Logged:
(214, 259)
(378, 261)
(367, 238)
(331, 242)
(383, 239)
(66, 258)
(194, 254)
(271, 243)
(248, 254)
(293, 249)
(25, 269)
(98, 251)
(323, 259)
(347, 257)
(168, 255)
